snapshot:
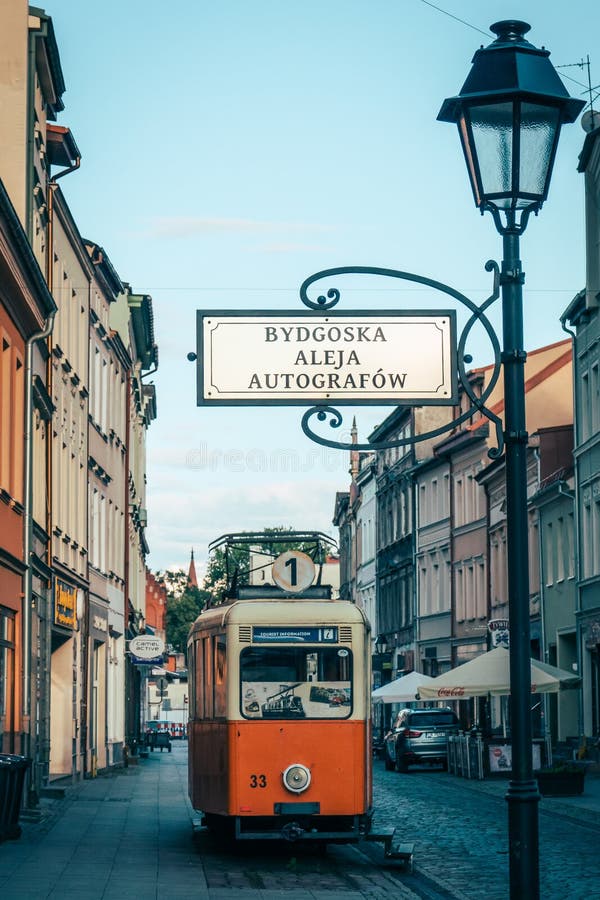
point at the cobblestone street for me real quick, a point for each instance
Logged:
(460, 832)
(127, 835)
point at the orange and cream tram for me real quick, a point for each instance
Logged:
(279, 730)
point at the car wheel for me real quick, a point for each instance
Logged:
(401, 765)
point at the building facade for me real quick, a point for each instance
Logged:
(26, 311)
(131, 318)
(433, 566)
(109, 368)
(366, 537)
(74, 410)
(442, 579)
(555, 505)
(582, 320)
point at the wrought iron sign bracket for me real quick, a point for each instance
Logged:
(329, 298)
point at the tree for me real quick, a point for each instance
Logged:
(222, 567)
(182, 611)
(175, 581)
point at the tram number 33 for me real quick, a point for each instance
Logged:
(258, 781)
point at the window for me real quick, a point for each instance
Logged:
(459, 515)
(296, 683)
(192, 684)
(594, 407)
(12, 386)
(7, 673)
(550, 554)
(560, 554)
(220, 658)
(460, 596)
(208, 678)
(435, 511)
(585, 420)
(199, 685)
(596, 531)
(569, 546)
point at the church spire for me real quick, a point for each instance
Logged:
(192, 572)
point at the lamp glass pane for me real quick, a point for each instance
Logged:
(492, 128)
(539, 130)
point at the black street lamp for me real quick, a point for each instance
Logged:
(381, 648)
(381, 645)
(509, 115)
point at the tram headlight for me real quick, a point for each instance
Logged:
(296, 778)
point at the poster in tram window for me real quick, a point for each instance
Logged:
(296, 682)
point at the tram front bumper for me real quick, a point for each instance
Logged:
(296, 822)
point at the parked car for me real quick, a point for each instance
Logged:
(420, 737)
(389, 748)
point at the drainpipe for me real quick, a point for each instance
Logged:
(541, 562)
(578, 573)
(129, 680)
(28, 531)
(542, 587)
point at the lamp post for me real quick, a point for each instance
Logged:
(509, 115)
(381, 646)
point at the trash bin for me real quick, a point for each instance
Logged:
(160, 739)
(12, 779)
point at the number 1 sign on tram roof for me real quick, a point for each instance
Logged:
(295, 359)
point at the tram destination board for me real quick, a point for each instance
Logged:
(269, 635)
(291, 359)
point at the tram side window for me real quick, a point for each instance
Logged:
(208, 678)
(192, 683)
(220, 659)
(199, 669)
(296, 682)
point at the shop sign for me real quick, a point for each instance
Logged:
(146, 649)
(98, 622)
(301, 358)
(499, 630)
(65, 604)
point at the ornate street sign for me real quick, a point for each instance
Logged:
(327, 358)
(377, 357)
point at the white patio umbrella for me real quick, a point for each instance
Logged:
(489, 673)
(402, 690)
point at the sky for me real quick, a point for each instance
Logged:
(231, 149)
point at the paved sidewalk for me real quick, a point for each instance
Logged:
(126, 834)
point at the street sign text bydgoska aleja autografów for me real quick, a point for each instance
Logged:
(297, 359)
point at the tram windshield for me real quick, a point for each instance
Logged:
(296, 682)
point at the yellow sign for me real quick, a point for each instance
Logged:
(65, 604)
